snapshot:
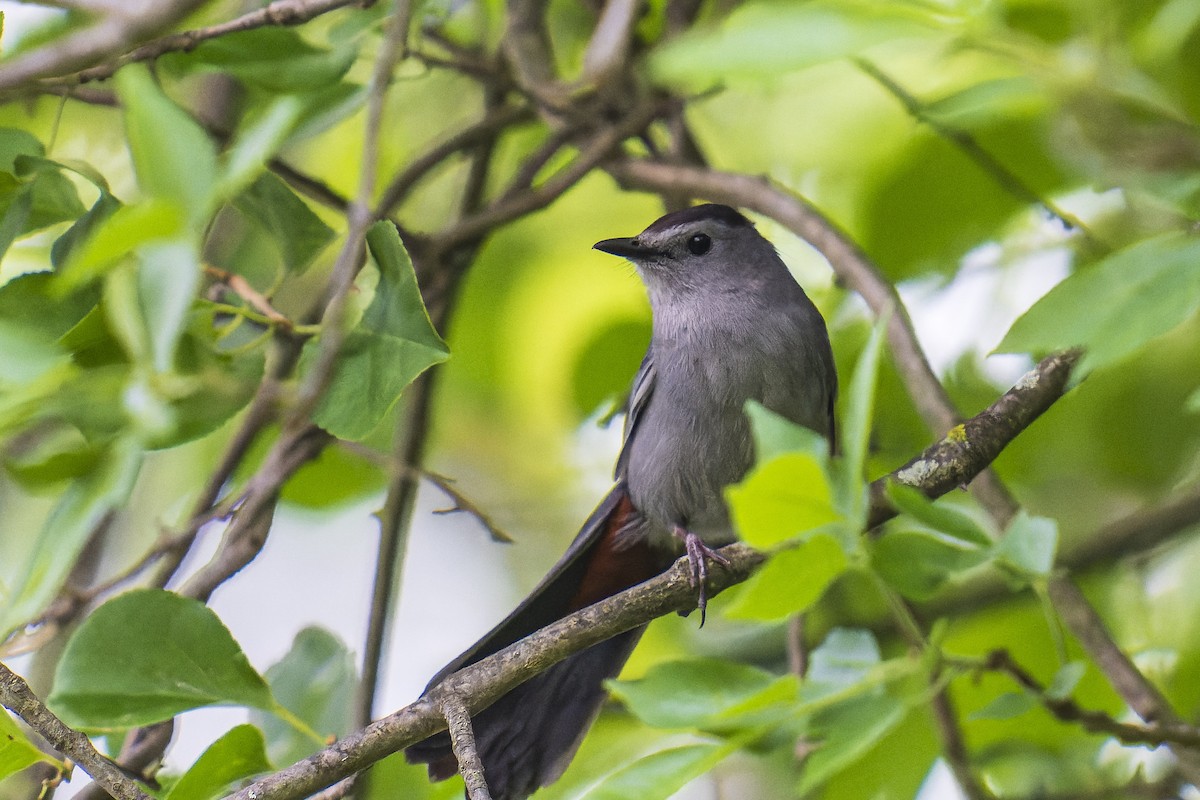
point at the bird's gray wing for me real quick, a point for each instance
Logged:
(639, 397)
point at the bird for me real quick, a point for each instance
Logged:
(730, 325)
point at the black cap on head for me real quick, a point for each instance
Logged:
(712, 211)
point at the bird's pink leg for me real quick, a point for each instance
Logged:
(699, 554)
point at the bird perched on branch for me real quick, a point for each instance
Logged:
(730, 325)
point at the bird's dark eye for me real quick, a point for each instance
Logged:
(699, 244)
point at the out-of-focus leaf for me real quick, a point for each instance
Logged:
(84, 227)
(392, 344)
(781, 499)
(146, 656)
(660, 775)
(277, 59)
(16, 204)
(257, 143)
(55, 198)
(764, 40)
(26, 355)
(918, 564)
(1065, 680)
(791, 581)
(1117, 305)
(111, 239)
(172, 155)
(1006, 706)
(58, 455)
(849, 477)
(774, 435)
(67, 529)
(298, 232)
(846, 733)
(16, 142)
(987, 100)
(844, 659)
(317, 682)
(16, 751)
(236, 756)
(704, 693)
(939, 517)
(168, 273)
(1029, 545)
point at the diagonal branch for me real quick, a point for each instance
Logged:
(102, 39)
(278, 13)
(482, 683)
(16, 695)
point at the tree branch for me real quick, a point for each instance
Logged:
(1067, 710)
(16, 696)
(482, 683)
(462, 741)
(102, 39)
(278, 13)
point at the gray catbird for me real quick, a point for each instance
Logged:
(730, 325)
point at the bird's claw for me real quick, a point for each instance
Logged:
(699, 554)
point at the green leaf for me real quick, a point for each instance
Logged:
(918, 563)
(167, 276)
(781, 499)
(16, 205)
(55, 198)
(59, 454)
(276, 59)
(67, 529)
(317, 682)
(764, 40)
(392, 344)
(844, 659)
(16, 142)
(660, 775)
(938, 516)
(704, 693)
(110, 240)
(846, 733)
(257, 143)
(298, 232)
(1028, 546)
(84, 227)
(16, 751)
(856, 427)
(1066, 679)
(775, 435)
(172, 155)
(1005, 706)
(791, 581)
(146, 656)
(236, 756)
(1116, 305)
(27, 355)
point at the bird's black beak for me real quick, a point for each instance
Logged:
(626, 248)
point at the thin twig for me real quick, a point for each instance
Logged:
(86, 46)
(462, 741)
(278, 13)
(16, 696)
(1067, 710)
(243, 289)
(359, 217)
(496, 120)
(971, 148)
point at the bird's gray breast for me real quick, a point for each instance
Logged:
(692, 438)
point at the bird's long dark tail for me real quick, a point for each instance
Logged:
(527, 737)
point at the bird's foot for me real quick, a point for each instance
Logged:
(699, 554)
